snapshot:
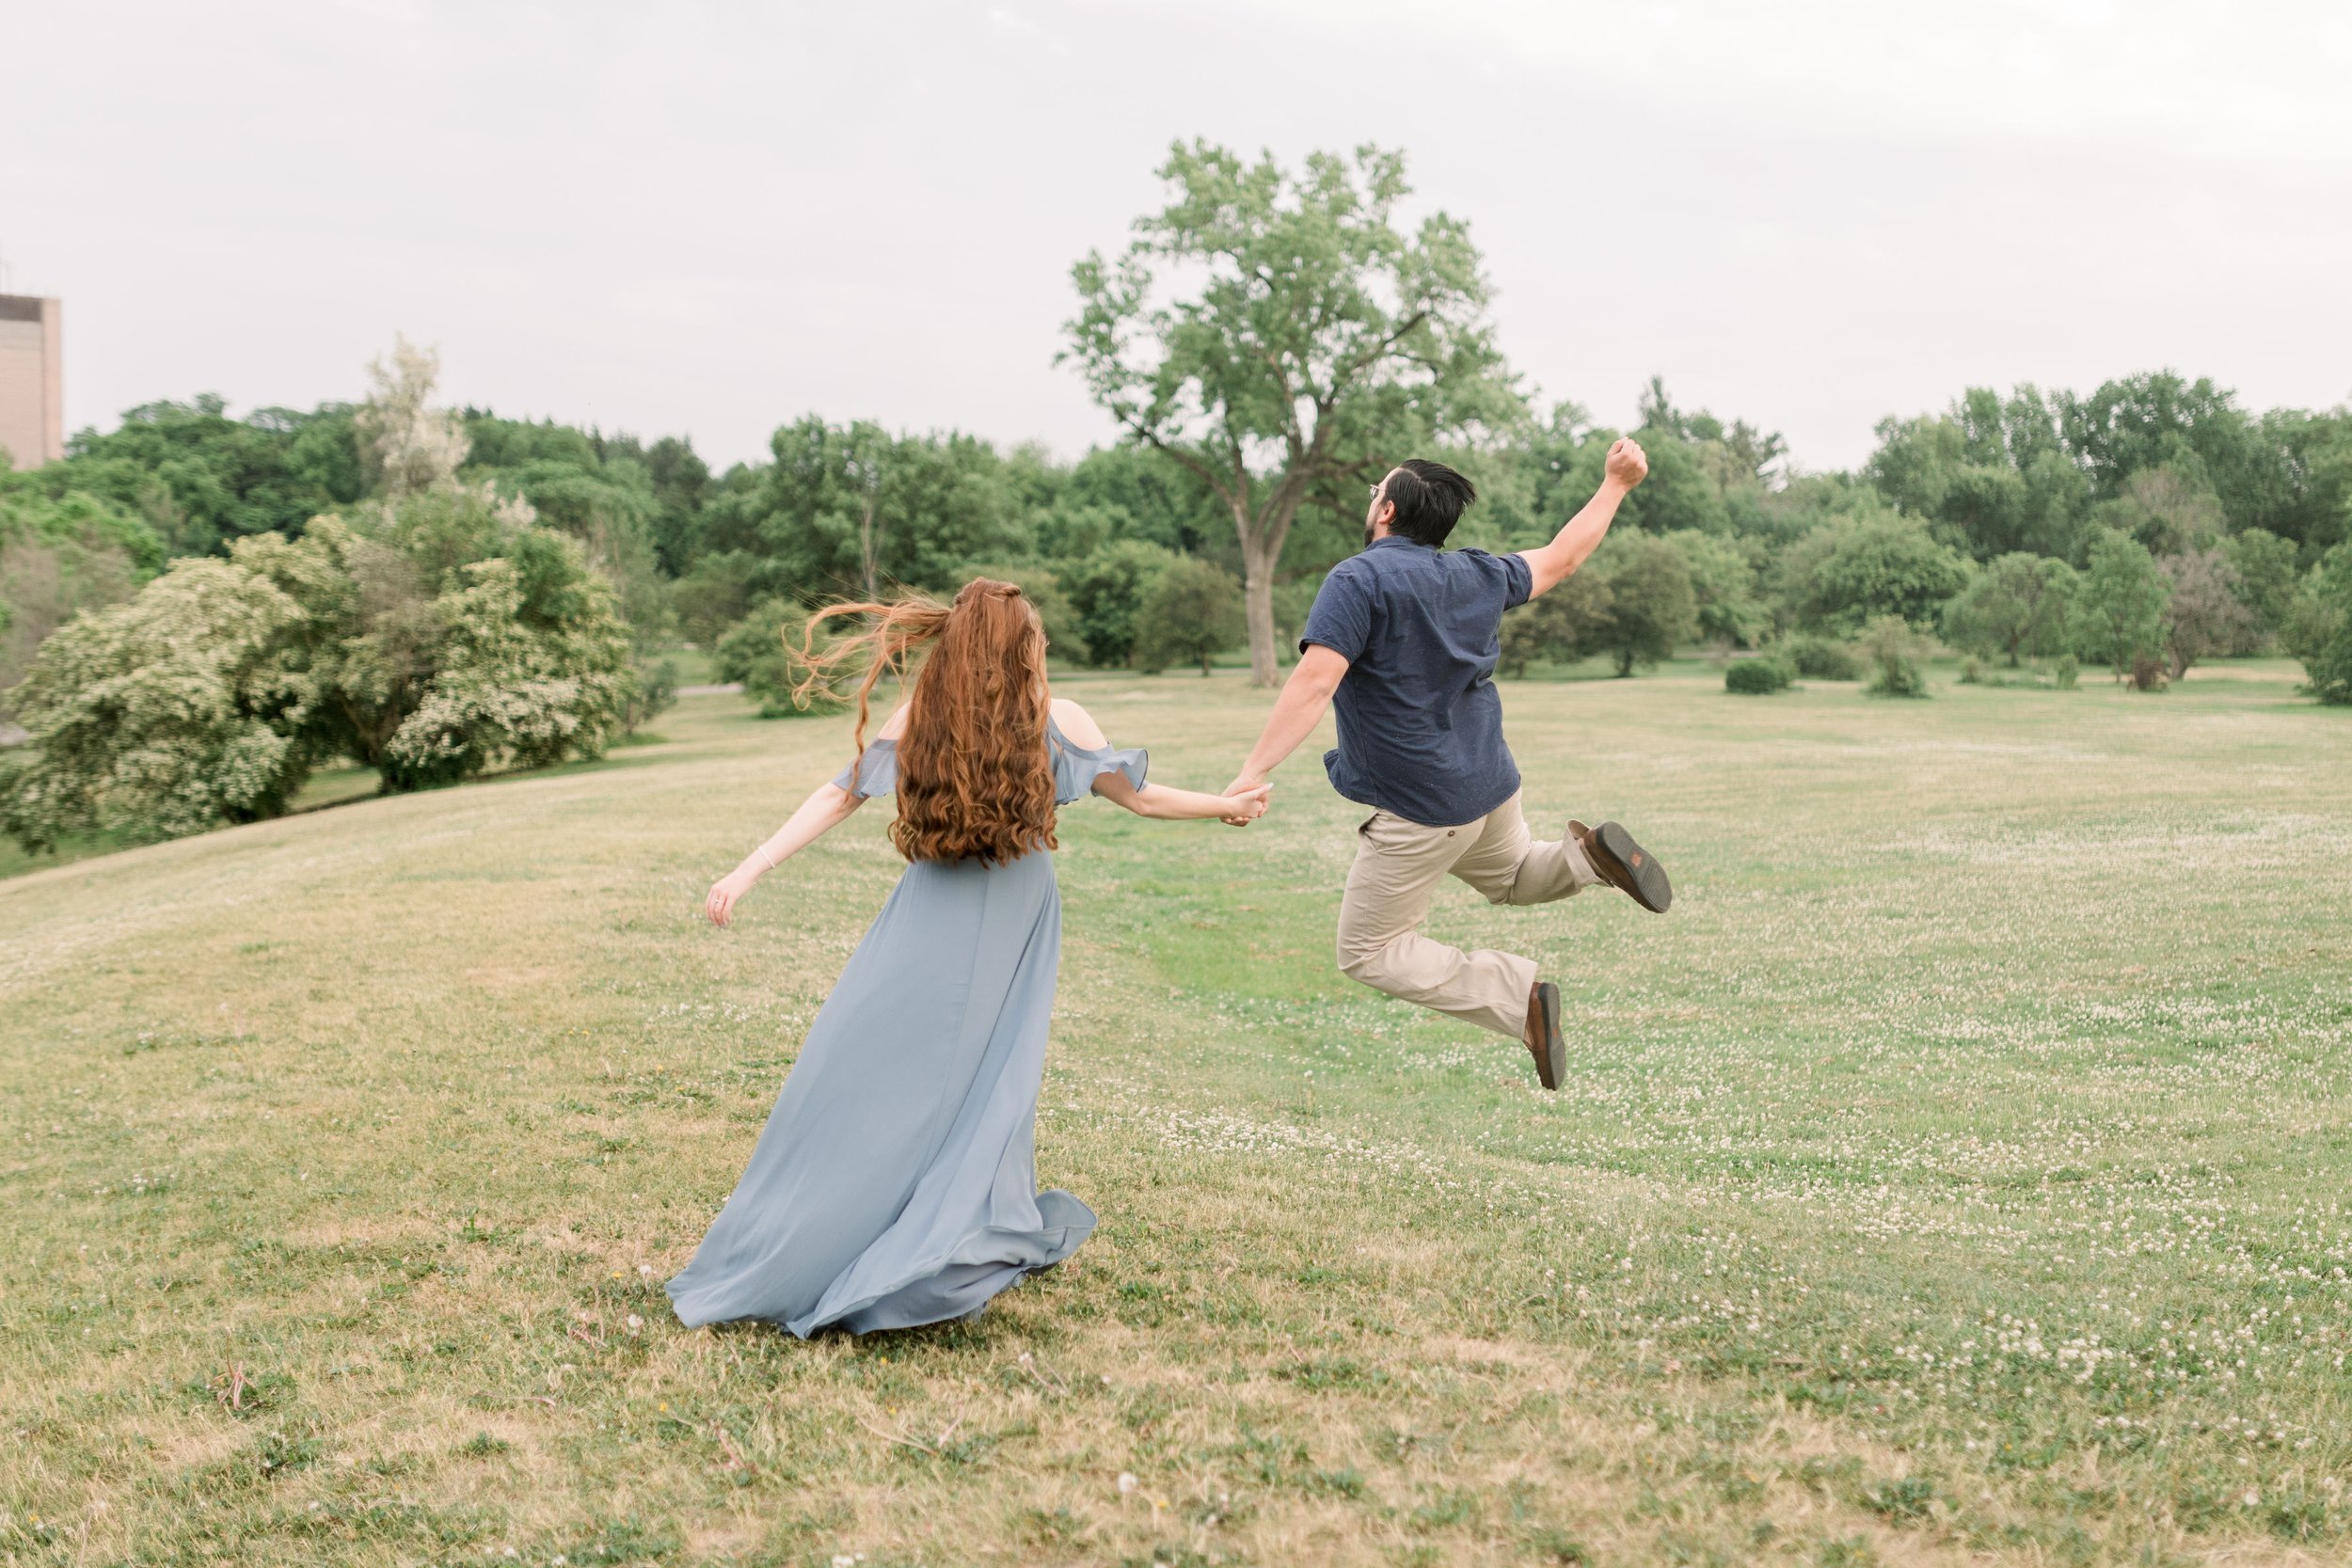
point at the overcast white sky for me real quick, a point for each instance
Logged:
(714, 217)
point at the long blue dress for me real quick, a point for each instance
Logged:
(896, 1181)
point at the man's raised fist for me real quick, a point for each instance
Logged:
(1628, 463)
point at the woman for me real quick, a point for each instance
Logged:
(895, 1182)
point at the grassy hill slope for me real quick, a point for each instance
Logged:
(1957, 1174)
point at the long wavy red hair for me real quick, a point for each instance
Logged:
(974, 779)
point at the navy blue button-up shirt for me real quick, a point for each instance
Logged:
(1421, 723)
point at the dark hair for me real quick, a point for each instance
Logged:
(1429, 498)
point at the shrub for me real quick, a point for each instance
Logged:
(1193, 611)
(1972, 671)
(713, 597)
(762, 651)
(1756, 677)
(2065, 672)
(656, 692)
(1894, 651)
(1822, 659)
(2319, 628)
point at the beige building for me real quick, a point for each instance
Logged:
(32, 380)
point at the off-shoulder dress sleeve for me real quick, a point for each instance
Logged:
(875, 772)
(1077, 767)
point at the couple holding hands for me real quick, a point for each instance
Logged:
(895, 1182)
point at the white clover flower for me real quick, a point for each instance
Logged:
(1126, 1482)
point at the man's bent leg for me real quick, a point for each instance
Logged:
(1507, 866)
(1398, 866)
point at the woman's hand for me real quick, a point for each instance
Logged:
(720, 905)
(1246, 805)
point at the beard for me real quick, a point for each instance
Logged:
(1367, 533)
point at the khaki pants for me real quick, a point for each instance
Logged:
(1398, 865)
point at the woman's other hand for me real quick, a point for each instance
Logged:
(724, 893)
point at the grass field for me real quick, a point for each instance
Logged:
(1958, 1173)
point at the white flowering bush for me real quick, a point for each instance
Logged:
(510, 689)
(431, 639)
(182, 709)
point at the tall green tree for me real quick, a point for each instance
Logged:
(1279, 336)
(2018, 605)
(1876, 566)
(852, 511)
(60, 556)
(2119, 610)
(1564, 625)
(2205, 613)
(2170, 510)
(1723, 578)
(1652, 606)
(1130, 492)
(1992, 475)
(2160, 420)
(2267, 576)
(201, 478)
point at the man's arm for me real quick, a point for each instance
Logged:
(1296, 712)
(1550, 565)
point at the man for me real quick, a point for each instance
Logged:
(1403, 641)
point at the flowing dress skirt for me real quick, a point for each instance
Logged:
(896, 1181)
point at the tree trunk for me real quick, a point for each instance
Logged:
(1258, 603)
(866, 544)
(1261, 552)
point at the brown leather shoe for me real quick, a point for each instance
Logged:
(1625, 865)
(1543, 1041)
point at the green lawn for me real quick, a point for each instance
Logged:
(1958, 1173)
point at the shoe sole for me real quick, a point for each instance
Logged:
(1650, 888)
(1551, 1062)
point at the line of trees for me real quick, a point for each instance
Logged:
(1268, 343)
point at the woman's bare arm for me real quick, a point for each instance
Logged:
(1155, 800)
(827, 807)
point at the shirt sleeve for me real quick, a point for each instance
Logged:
(1518, 580)
(1341, 617)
